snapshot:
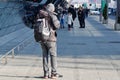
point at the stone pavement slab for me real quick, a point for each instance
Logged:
(83, 68)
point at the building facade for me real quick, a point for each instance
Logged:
(92, 3)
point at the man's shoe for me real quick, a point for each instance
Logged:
(54, 76)
(45, 77)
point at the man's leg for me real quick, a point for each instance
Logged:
(53, 64)
(83, 24)
(72, 25)
(53, 57)
(80, 24)
(45, 59)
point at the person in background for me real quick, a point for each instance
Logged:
(81, 17)
(62, 16)
(69, 21)
(72, 10)
(86, 12)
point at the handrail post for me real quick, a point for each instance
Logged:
(18, 48)
(13, 52)
(5, 59)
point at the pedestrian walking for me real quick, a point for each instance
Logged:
(81, 17)
(86, 12)
(69, 21)
(72, 10)
(49, 46)
(62, 20)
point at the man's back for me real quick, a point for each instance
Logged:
(53, 24)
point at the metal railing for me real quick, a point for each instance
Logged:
(12, 51)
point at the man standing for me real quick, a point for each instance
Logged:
(49, 46)
(81, 17)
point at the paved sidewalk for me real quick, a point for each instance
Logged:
(92, 53)
(82, 68)
(95, 39)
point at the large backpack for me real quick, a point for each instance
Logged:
(42, 30)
